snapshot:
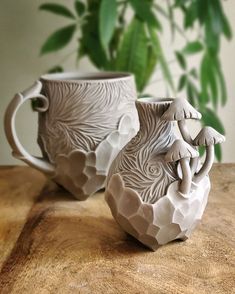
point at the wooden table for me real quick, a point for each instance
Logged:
(51, 243)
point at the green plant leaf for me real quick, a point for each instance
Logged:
(208, 79)
(182, 82)
(227, 28)
(193, 73)
(218, 152)
(191, 15)
(163, 63)
(151, 64)
(132, 54)
(56, 69)
(203, 98)
(212, 39)
(215, 17)
(171, 18)
(220, 76)
(58, 39)
(81, 50)
(204, 78)
(143, 10)
(213, 84)
(219, 21)
(113, 45)
(79, 7)
(181, 60)
(192, 93)
(202, 9)
(210, 118)
(57, 9)
(180, 3)
(201, 150)
(90, 43)
(107, 20)
(193, 47)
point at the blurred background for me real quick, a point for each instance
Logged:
(23, 31)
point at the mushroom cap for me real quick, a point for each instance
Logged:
(207, 137)
(180, 109)
(180, 149)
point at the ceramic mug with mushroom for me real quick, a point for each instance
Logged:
(157, 189)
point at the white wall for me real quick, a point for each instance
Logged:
(23, 29)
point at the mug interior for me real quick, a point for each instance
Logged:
(90, 77)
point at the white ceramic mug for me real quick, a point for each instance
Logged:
(84, 121)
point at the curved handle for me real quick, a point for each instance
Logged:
(18, 150)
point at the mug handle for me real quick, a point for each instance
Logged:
(18, 150)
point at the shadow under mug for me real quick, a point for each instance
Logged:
(84, 121)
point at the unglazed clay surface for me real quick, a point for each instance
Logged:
(82, 172)
(82, 114)
(141, 163)
(171, 217)
(83, 123)
(157, 188)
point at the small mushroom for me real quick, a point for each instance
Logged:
(180, 110)
(207, 137)
(182, 152)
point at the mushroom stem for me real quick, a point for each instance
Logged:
(186, 136)
(194, 164)
(206, 166)
(185, 184)
(184, 131)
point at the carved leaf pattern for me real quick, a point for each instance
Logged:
(82, 114)
(141, 163)
(83, 173)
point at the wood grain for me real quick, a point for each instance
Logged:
(19, 188)
(51, 243)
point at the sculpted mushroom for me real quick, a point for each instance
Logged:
(180, 110)
(207, 137)
(182, 152)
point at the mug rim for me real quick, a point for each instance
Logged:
(90, 77)
(155, 100)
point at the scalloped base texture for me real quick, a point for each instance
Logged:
(171, 217)
(83, 173)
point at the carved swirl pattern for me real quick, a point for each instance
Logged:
(82, 114)
(141, 163)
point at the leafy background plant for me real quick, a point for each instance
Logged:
(114, 40)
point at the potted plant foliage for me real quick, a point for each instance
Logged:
(125, 35)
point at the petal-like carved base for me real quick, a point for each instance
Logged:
(169, 218)
(83, 173)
